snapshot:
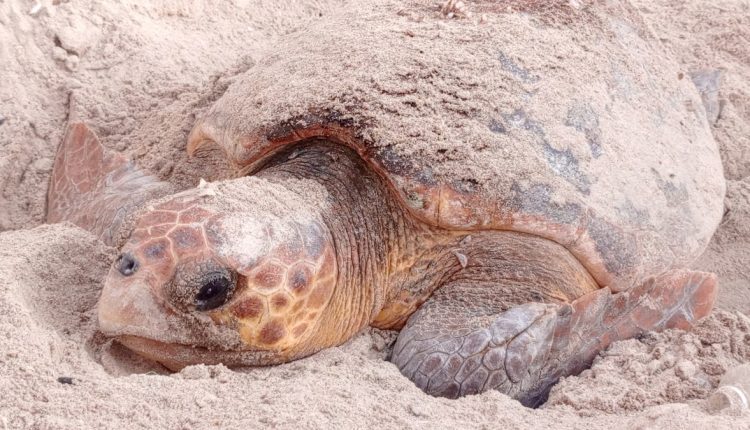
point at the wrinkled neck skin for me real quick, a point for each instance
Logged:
(375, 240)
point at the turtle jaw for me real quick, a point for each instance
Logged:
(136, 311)
(124, 309)
(140, 323)
(176, 356)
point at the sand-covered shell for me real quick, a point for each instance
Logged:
(564, 119)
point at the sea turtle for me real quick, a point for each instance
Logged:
(513, 190)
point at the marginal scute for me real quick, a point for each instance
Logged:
(590, 145)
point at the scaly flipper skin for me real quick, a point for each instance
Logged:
(450, 349)
(94, 188)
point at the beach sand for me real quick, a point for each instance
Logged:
(142, 74)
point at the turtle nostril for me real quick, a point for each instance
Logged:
(126, 264)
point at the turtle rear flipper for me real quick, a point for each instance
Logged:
(96, 189)
(450, 352)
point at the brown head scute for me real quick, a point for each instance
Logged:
(300, 279)
(155, 250)
(248, 308)
(159, 218)
(268, 276)
(185, 237)
(194, 215)
(279, 301)
(286, 293)
(272, 332)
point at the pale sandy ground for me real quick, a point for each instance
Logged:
(141, 74)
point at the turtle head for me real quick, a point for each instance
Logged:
(208, 276)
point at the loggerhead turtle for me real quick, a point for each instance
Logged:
(513, 194)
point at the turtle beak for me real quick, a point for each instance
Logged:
(131, 314)
(131, 308)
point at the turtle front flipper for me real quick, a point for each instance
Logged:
(97, 189)
(450, 350)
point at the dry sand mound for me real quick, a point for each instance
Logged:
(141, 73)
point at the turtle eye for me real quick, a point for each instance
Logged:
(214, 293)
